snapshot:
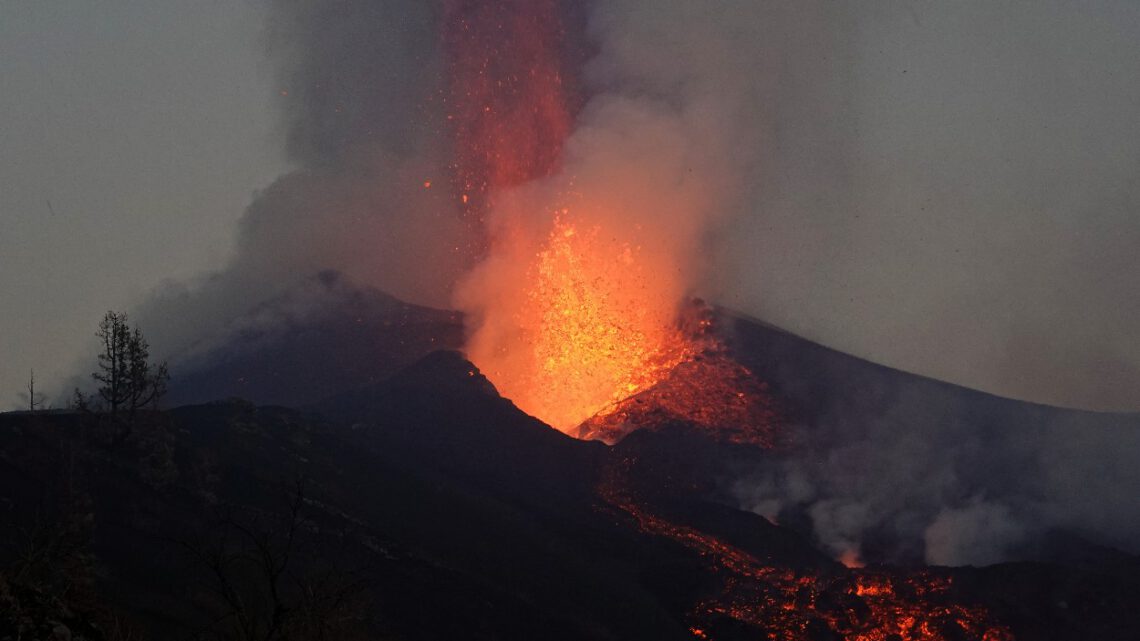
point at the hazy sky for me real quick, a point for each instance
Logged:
(955, 190)
(147, 125)
(947, 187)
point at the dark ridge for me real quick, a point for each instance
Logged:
(453, 514)
(322, 337)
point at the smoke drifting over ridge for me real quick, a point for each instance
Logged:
(364, 91)
(869, 176)
(951, 189)
(357, 82)
(917, 472)
(947, 189)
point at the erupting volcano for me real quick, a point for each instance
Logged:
(575, 308)
(470, 371)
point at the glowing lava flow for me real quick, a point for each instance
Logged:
(776, 603)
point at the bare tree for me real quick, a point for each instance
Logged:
(46, 540)
(35, 399)
(261, 591)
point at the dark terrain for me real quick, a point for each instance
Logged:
(425, 506)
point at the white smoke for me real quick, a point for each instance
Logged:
(357, 81)
(977, 533)
(951, 188)
(951, 477)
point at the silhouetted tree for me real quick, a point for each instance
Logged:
(259, 588)
(128, 381)
(35, 399)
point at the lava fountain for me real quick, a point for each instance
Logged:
(579, 321)
(573, 306)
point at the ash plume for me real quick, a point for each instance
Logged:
(850, 172)
(940, 188)
(363, 131)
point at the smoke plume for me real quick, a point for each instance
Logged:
(954, 478)
(364, 130)
(946, 187)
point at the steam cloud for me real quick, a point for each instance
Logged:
(946, 187)
(949, 481)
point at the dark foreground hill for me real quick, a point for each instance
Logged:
(438, 511)
(379, 489)
(427, 507)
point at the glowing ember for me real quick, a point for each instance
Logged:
(508, 102)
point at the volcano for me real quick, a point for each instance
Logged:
(434, 508)
(576, 449)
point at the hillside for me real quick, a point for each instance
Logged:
(425, 506)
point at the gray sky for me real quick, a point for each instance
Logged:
(950, 188)
(147, 124)
(955, 190)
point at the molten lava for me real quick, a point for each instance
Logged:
(781, 603)
(707, 390)
(584, 329)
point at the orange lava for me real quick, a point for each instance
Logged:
(792, 604)
(578, 329)
(707, 389)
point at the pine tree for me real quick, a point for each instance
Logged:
(127, 380)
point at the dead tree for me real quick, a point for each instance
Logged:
(259, 590)
(35, 399)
